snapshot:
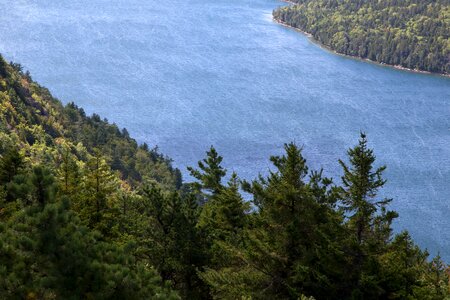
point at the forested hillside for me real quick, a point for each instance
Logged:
(87, 213)
(66, 181)
(412, 34)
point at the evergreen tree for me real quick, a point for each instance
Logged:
(68, 172)
(401, 267)
(368, 219)
(226, 212)
(46, 254)
(43, 187)
(169, 239)
(191, 246)
(94, 233)
(12, 174)
(57, 258)
(360, 187)
(288, 249)
(210, 173)
(222, 220)
(98, 206)
(11, 164)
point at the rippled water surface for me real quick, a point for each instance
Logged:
(185, 74)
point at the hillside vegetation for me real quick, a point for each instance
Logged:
(87, 213)
(412, 34)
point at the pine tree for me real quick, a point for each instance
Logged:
(288, 248)
(225, 213)
(210, 174)
(368, 220)
(43, 187)
(68, 172)
(11, 174)
(98, 206)
(169, 239)
(360, 188)
(11, 164)
(437, 277)
(54, 257)
(222, 221)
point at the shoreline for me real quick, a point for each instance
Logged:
(318, 43)
(288, 1)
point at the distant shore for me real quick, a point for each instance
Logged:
(398, 67)
(288, 1)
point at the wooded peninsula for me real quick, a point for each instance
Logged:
(412, 34)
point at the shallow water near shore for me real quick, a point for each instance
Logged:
(188, 74)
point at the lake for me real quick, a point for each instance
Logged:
(185, 75)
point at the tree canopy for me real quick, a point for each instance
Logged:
(86, 213)
(412, 34)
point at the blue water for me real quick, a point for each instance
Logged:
(187, 74)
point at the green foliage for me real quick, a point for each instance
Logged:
(42, 185)
(282, 256)
(367, 218)
(11, 169)
(99, 195)
(46, 254)
(168, 238)
(11, 165)
(210, 174)
(48, 248)
(49, 133)
(409, 33)
(85, 213)
(68, 173)
(225, 213)
(308, 237)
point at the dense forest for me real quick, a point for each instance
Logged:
(413, 34)
(87, 213)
